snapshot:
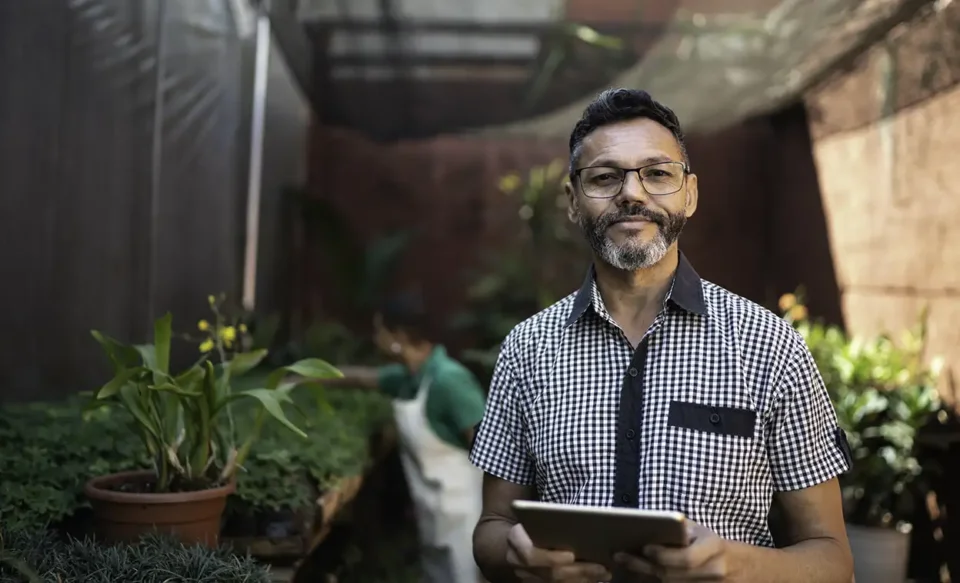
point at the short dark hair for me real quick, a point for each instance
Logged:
(616, 105)
(405, 312)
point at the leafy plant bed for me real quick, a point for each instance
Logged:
(154, 560)
(50, 450)
(277, 543)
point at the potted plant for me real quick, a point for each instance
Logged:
(884, 392)
(185, 422)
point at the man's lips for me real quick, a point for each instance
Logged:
(632, 223)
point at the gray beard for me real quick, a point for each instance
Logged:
(631, 255)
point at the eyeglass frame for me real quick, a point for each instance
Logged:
(627, 171)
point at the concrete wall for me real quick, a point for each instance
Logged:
(886, 142)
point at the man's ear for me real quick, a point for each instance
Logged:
(571, 200)
(693, 195)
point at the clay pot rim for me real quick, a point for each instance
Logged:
(96, 489)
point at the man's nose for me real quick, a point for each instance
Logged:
(632, 188)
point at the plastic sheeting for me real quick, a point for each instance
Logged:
(717, 69)
(123, 171)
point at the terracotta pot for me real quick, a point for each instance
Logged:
(191, 517)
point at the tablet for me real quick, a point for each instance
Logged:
(595, 533)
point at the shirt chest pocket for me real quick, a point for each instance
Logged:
(712, 454)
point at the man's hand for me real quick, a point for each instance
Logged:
(543, 566)
(705, 559)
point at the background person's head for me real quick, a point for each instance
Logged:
(631, 219)
(399, 329)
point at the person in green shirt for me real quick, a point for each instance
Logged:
(437, 405)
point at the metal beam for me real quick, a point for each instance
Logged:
(471, 27)
(385, 60)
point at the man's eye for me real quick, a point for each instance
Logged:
(605, 177)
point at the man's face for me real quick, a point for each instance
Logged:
(634, 229)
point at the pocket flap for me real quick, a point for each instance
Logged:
(709, 419)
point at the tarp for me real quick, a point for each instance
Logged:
(717, 69)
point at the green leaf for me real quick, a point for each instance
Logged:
(162, 332)
(210, 387)
(191, 378)
(121, 355)
(148, 355)
(271, 401)
(309, 368)
(173, 388)
(116, 383)
(245, 361)
(130, 396)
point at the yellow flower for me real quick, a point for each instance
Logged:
(798, 313)
(787, 301)
(242, 328)
(203, 325)
(509, 183)
(228, 333)
(211, 300)
(206, 345)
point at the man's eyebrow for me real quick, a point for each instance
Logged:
(657, 159)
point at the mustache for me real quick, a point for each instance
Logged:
(631, 213)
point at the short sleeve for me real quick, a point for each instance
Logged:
(462, 399)
(392, 379)
(805, 446)
(498, 449)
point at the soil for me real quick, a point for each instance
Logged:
(178, 486)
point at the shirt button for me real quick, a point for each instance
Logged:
(714, 418)
(631, 434)
(625, 497)
(632, 371)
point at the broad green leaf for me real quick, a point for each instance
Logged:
(271, 402)
(309, 368)
(148, 354)
(190, 377)
(245, 361)
(210, 387)
(176, 389)
(129, 395)
(117, 382)
(121, 355)
(162, 332)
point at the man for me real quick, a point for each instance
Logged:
(437, 404)
(652, 388)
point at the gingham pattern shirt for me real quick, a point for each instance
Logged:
(718, 407)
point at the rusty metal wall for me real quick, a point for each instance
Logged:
(117, 201)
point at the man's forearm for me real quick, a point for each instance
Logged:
(812, 561)
(356, 376)
(490, 549)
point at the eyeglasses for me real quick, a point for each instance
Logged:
(607, 181)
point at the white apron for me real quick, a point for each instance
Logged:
(446, 490)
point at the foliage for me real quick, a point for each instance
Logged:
(177, 416)
(50, 451)
(285, 473)
(884, 393)
(517, 285)
(154, 560)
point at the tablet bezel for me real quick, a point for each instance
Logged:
(595, 533)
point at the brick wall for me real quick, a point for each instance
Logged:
(446, 189)
(890, 184)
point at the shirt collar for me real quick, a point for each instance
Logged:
(686, 292)
(430, 366)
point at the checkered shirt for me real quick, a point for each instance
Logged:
(718, 407)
